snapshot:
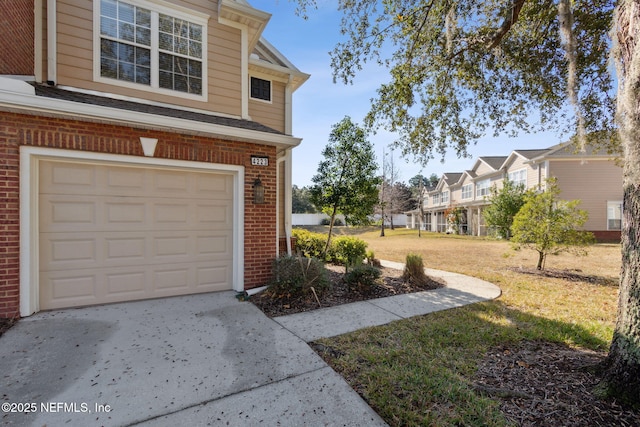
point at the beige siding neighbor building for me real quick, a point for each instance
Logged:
(592, 177)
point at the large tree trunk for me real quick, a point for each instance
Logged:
(623, 375)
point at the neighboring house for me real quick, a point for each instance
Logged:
(591, 177)
(145, 150)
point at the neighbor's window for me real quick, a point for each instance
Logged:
(260, 89)
(467, 191)
(518, 177)
(445, 197)
(149, 45)
(614, 215)
(482, 188)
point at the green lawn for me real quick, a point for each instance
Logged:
(418, 371)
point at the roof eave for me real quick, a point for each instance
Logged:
(22, 98)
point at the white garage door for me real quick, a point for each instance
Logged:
(117, 233)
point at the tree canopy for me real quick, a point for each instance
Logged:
(505, 204)
(549, 225)
(346, 181)
(461, 68)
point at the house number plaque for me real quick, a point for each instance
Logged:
(259, 161)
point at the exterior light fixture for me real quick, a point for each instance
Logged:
(258, 191)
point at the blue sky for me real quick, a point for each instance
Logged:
(319, 103)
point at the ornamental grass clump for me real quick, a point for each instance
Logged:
(414, 270)
(294, 276)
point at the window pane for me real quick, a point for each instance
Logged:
(195, 49)
(108, 27)
(143, 18)
(108, 49)
(125, 53)
(126, 72)
(109, 8)
(166, 42)
(109, 68)
(143, 75)
(180, 83)
(143, 57)
(181, 46)
(126, 31)
(165, 62)
(195, 32)
(166, 24)
(181, 28)
(126, 12)
(195, 68)
(166, 80)
(180, 65)
(195, 85)
(143, 36)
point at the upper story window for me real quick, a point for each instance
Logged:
(435, 199)
(467, 191)
(260, 89)
(149, 46)
(445, 197)
(482, 188)
(518, 177)
(614, 215)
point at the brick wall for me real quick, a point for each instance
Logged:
(16, 33)
(17, 130)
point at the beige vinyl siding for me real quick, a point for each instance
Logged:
(594, 183)
(483, 169)
(75, 57)
(270, 113)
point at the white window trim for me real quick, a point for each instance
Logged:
(615, 203)
(444, 199)
(517, 171)
(156, 6)
(270, 101)
(481, 187)
(462, 192)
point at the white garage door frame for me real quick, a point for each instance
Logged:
(30, 158)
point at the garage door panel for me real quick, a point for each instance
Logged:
(215, 278)
(131, 233)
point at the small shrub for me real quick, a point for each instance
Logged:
(295, 276)
(309, 244)
(325, 221)
(371, 259)
(348, 251)
(363, 278)
(414, 270)
(338, 222)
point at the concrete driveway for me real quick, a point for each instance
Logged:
(195, 360)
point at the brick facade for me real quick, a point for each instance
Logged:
(19, 129)
(17, 29)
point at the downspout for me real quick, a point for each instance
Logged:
(37, 41)
(288, 157)
(52, 54)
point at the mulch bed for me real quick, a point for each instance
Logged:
(5, 324)
(392, 284)
(547, 384)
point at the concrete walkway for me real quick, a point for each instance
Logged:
(328, 322)
(196, 360)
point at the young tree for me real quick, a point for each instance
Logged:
(505, 204)
(475, 65)
(549, 225)
(346, 181)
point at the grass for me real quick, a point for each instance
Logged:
(419, 371)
